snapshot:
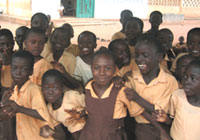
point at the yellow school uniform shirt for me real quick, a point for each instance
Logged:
(121, 105)
(157, 92)
(30, 96)
(118, 35)
(6, 78)
(186, 124)
(39, 68)
(71, 100)
(73, 49)
(67, 60)
(47, 49)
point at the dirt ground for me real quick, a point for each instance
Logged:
(104, 29)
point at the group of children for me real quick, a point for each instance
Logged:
(137, 88)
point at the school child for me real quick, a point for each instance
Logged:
(165, 36)
(86, 44)
(41, 21)
(20, 36)
(124, 16)
(60, 39)
(193, 41)
(61, 96)
(106, 104)
(184, 110)
(149, 88)
(155, 21)
(181, 46)
(72, 48)
(6, 51)
(181, 65)
(34, 42)
(133, 30)
(25, 101)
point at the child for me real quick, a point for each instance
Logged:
(60, 40)
(193, 41)
(72, 48)
(34, 42)
(181, 65)
(26, 101)
(86, 44)
(41, 21)
(62, 96)
(106, 105)
(133, 30)
(124, 16)
(155, 21)
(20, 36)
(185, 106)
(6, 51)
(150, 87)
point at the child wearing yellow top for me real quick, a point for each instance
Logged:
(59, 41)
(61, 96)
(34, 42)
(149, 88)
(20, 36)
(26, 101)
(184, 110)
(124, 16)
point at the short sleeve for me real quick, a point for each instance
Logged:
(173, 105)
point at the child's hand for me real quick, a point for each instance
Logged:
(6, 95)
(46, 131)
(75, 115)
(164, 135)
(126, 75)
(118, 81)
(131, 94)
(7, 111)
(58, 67)
(159, 115)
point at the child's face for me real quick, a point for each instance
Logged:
(132, 30)
(20, 37)
(146, 58)
(191, 80)
(103, 69)
(194, 45)
(52, 89)
(20, 70)
(6, 43)
(122, 54)
(155, 20)
(59, 42)
(86, 44)
(35, 43)
(166, 39)
(40, 23)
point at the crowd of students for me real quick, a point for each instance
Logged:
(139, 87)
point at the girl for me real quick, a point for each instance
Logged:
(185, 106)
(150, 87)
(60, 96)
(105, 104)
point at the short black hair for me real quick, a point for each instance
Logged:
(68, 27)
(7, 33)
(165, 30)
(37, 31)
(24, 55)
(179, 61)
(195, 63)
(41, 15)
(88, 33)
(61, 30)
(153, 41)
(112, 45)
(193, 31)
(156, 13)
(138, 20)
(126, 12)
(103, 52)
(23, 28)
(57, 74)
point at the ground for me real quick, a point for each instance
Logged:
(104, 29)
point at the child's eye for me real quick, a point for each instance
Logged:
(185, 76)
(145, 55)
(96, 67)
(108, 68)
(194, 78)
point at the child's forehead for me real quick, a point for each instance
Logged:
(194, 35)
(20, 60)
(35, 34)
(5, 38)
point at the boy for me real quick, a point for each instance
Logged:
(20, 36)
(26, 101)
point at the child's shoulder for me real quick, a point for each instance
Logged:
(178, 94)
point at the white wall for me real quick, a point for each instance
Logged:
(111, 9)
(49, 7)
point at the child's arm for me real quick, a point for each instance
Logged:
(161, 116)
(119, 81)
(132, 95)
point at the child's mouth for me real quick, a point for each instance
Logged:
(85, 49)
(142, 66)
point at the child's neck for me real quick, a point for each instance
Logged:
(98, 89)
(57, 55)
(194, 100)
(19, 86)
(37, 58)
(87, 59)
(151, 75)
(57, 104)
